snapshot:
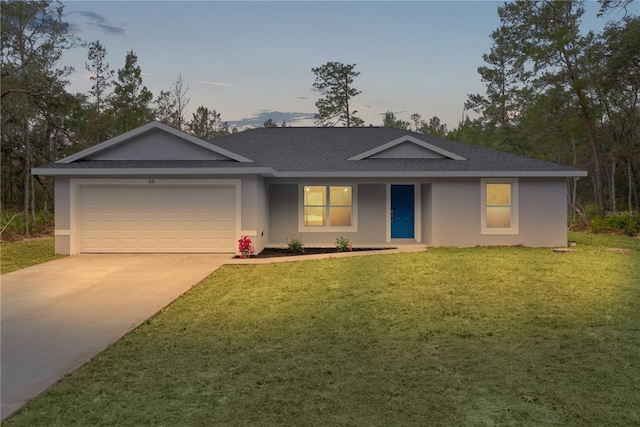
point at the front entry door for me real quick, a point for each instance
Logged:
(402, 212)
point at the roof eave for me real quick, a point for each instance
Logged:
(435, 174)
(150, 171)
(56, 171)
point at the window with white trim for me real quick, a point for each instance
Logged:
(327, 206)
(499, 206)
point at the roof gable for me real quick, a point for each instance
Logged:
(318, 152)
(407, 147)
(155, 141)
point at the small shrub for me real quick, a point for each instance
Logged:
(11, 224)
(617, 223)
(295, 245)
(343, 244)
(591, 211)
(13, 227)
(576, 224)
(245, 248)
(597, 225)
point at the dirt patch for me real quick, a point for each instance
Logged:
(280, 252)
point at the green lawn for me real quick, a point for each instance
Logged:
(448, 337)
(19, 255)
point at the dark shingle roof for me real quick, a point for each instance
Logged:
(328, 149)
(324, 151)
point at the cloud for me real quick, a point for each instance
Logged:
(392, 112)
(98, 21)
(214, 83)
(90, 15)
(258, 119)
(358, 107)
(74, 28)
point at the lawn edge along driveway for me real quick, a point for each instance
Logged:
(58, 315)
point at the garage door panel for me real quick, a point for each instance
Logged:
(110, 226)
(126, 243)
(106, 243)
(172, 218)
(128, 226)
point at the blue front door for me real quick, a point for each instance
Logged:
(402, 212)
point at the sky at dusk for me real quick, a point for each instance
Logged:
(252, 60)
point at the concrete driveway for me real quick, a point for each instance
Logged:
(58, 315)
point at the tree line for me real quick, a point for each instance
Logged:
(42, 122)
(553, 92)
(559, 94)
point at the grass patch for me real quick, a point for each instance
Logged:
(470, 337)
(19, 255)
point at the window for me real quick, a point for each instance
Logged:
(327, 206)
(499, 206)
(315, 205)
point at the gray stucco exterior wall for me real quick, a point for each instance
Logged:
(456, 212)
(249, 205)
(255, 212)
(283, 212)
(263, 229)
(426, 214)
(372, 213)
(371, 208)
(156, 145)
(62, 203)
(450, 213)
(542, 214)
(543, 211)
(407, 150)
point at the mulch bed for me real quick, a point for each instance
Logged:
(280, 252)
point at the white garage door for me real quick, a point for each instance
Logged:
(157, 218)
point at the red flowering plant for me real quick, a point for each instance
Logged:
(245, 248)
